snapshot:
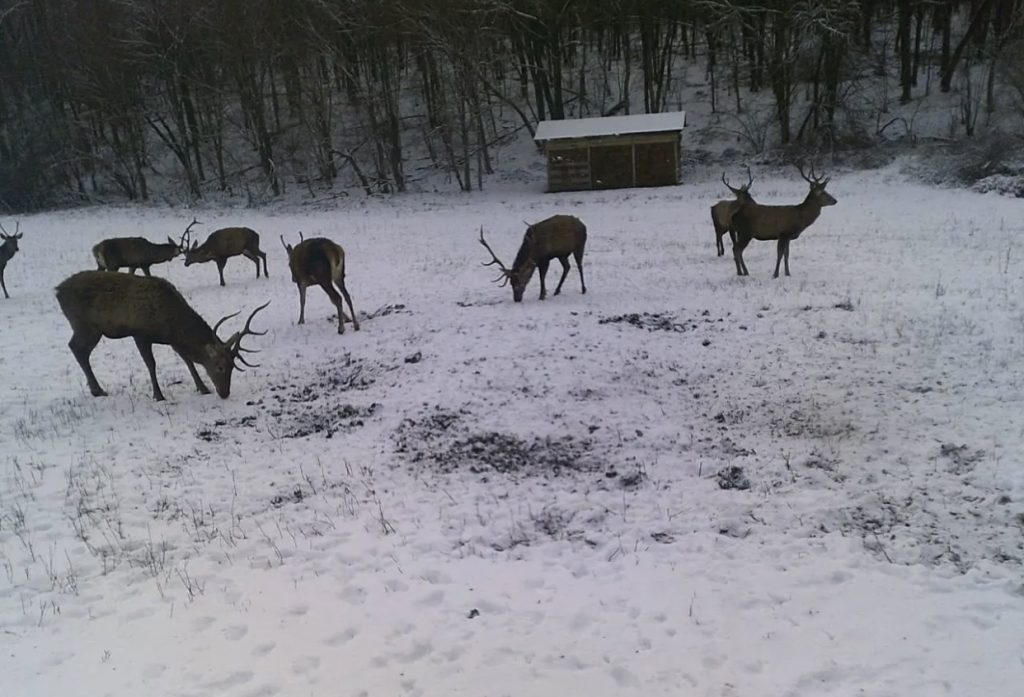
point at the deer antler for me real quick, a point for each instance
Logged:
(287, 247)
(813, 180)
(505, 273)
(186, 236)
(224, 319)
(17, 227)
(235, 342)
(745, 187)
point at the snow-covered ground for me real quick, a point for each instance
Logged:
(681, 483)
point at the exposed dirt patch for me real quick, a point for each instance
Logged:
(447, 441)
(662, 321)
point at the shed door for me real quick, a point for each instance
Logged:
(611, 166)
(656, 164)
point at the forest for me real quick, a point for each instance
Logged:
(114, 100)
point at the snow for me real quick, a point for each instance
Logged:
(472, 496)
(610, 126)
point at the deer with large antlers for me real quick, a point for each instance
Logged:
(319, 261)
(723, 211)
(556, 237)
(137, 252)
(223, 244)
(150, 311)
(781, 223)
(8, 249)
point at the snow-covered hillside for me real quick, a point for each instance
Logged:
(681, 483)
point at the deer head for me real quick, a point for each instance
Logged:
(223, 357)
(741, 193)
(519, 276)
(817, 193)
(11, 241)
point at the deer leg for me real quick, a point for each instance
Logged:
(578, 256)
(263, 256)
(146, 349)
(719, 232)
(348, 299)
(336, 300)
(81, 346)
(781, 251)
(200, 385)
(565, 272)
(737, 252)
(542, 269)
(302, 303)
(145, 270)
(3, 285)
(786, 258)
(131, 270)
(220, 269)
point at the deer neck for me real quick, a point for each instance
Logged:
(810, 209)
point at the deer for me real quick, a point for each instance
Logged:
(782, 223)
(8, 249)
(319, 261)
(225, 243)
(723, 211)
(552, 238)
(151, 311)
(137, 252)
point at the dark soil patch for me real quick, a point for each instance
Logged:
(319, 420)
(662, 321)
(445, 442)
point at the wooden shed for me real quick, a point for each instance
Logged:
(612, 152)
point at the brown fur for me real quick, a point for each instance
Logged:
(134, 253)
(7, 251)
(150, 311)
(723, 211)
(226, 243)
(319, 261)
(782, 223)
(556, 237)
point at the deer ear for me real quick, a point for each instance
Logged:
(195, 244)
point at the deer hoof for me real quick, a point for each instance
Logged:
(355, 325)
(98, 392)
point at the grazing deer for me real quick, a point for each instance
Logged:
(7, 250)
(137, 252)
(553, 238)
(782, 223)
(225, 243)
(319, 261)
(723, 211)
(151, 311)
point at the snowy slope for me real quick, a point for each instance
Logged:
(680, 483)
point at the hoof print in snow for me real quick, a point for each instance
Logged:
(473, 613)
(414, 358)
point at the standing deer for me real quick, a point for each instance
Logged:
(225, 243)
(782, 223)
(553, 238)
(723, 211)
(319, 261)
(151, 311)
(137, 252)
(7, 250)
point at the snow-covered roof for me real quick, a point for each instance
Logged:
(610, 125)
